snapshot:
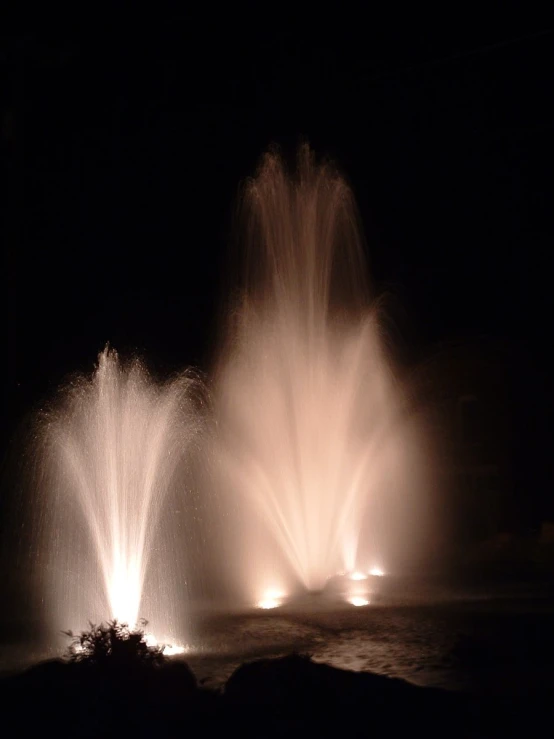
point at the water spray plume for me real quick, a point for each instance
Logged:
(309, 412)
(112, 448)
(313, 454)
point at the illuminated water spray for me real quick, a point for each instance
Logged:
(312, 430)
(113, 464)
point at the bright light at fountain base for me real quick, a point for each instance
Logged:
(376, 572)
(271, 599)
(357, 600)
(171, 650)
(168, 650)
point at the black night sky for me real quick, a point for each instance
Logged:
(126, 144)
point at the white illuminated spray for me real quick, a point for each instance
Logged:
(113, 451)
(310, 432)
(311, 424)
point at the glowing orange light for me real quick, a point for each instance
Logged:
(168, 650)
(357, 600)
(171, 650)
(271, 599)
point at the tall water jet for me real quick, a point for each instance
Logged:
(112, 464)
(313, 440)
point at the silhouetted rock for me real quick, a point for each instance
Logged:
(289, 696)
(296, 686)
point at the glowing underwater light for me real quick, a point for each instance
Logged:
(168, 650)
(357, 600)
(270, 599)
(171, 650)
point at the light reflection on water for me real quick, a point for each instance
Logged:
(480, 645)
(486, 645)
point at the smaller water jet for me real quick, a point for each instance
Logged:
(113, 455)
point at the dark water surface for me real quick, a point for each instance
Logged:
(491, 644)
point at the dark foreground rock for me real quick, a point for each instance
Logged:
(291, 696)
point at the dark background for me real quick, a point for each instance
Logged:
(125, 144)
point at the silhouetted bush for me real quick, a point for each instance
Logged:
(113, 644)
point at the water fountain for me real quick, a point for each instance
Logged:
(113, 458)
(315, 444)
(316, 457)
